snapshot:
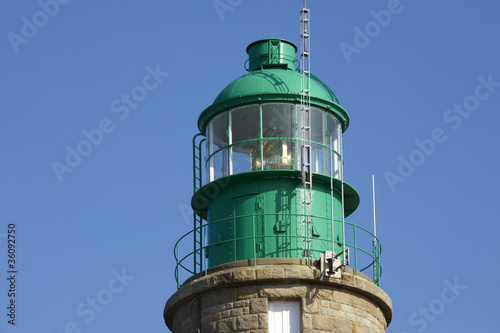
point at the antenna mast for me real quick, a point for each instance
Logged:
(305, 130)
(375, 253)
(374, 218)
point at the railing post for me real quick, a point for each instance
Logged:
(355, 251)
(253, 240)
(177, 265)
(379, 273)
(204, 242)
(375, 261)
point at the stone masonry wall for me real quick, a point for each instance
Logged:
(236, 300)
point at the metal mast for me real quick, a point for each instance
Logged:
(375, 254)
(305, 131)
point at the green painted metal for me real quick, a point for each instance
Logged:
(272, 78)
(198, 141)
(264, 209)
(211, 191)
(365, 259)
(269, 53)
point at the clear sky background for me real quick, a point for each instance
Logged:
(422, 89)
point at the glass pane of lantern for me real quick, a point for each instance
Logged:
(278, 120)
(255, 158)
(219, 132)
(318, 158)
(245, 123)
(317, 125)
(334, 132)
(242, 156)
(220, 163)
(278, 154)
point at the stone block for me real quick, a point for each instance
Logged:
(324, 311)
(241, 304)
(270, 273)
(351, 317)
(341, 325)
(263, 320)
(185, 291)
(342, 297)
(323, 323)
(357, 328)
(259, 305)
(227, 325)
(236, 312)
(325, 304)
(222, 314)
(346, 308)
(335, 306)
(247, 292)
(283, 291)
(201, 284)
(299, 272)
(365, 322)
(244, 275)
(306, 321)
(310, 305)
(248, 322)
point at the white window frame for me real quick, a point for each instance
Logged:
(284, 316)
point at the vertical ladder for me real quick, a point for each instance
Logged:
(197, 221)
(305, 132)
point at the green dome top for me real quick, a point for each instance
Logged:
(272, 79)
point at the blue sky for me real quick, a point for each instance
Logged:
(422, 88)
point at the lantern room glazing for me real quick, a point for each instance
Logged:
(266, 137)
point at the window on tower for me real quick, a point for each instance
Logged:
(284, 316)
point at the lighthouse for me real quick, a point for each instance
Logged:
(271, 249)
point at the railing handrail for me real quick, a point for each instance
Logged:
(375, 255)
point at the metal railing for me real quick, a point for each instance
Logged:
(198, 257)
